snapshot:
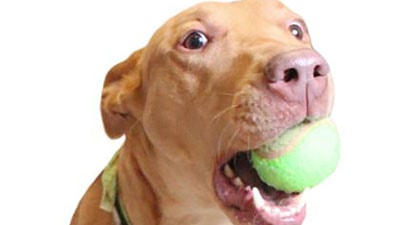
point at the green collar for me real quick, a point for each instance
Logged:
(110, 201)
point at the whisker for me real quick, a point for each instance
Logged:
(230, 94)
(134, 125)
(219, 147)
(224, 130)
(230, 142)
(223, 112)
(233, 138)
(248, 141)
(248, 148)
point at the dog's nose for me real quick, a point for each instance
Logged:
(299, 76)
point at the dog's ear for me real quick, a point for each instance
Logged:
(119, 95)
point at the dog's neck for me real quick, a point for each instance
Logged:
(149, 199)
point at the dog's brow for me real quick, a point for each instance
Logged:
(302, 23)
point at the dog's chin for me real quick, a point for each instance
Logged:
(247, 200)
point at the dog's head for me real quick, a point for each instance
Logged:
(214, 82)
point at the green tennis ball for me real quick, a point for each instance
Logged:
(301, 157)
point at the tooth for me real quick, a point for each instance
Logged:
(267, 208)
(276, 210)
(257, 198)
(238, 182)
(285, 213)
(302, 198)
(294, 210)
(300, 207)
(228, 171)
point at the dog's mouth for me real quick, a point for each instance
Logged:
(240, 189)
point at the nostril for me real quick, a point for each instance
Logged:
(291, 75)
(319, 71)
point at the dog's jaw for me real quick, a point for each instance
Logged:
(153, 198)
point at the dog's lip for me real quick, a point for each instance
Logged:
(247, 207)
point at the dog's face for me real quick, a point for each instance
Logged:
(214, 82)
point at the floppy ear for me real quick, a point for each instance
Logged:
(119, 95)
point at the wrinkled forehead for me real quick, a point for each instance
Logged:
(236, 13)
(242, 16)
(266, 9)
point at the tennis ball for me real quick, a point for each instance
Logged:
(301, 157)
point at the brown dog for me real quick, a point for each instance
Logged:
(214, 82)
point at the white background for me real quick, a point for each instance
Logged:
(53, 59)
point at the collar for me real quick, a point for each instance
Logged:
(110, 201)
(120, 213)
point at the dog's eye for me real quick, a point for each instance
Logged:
(195, 40)
(297, 30)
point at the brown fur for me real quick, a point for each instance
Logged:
(181, 112)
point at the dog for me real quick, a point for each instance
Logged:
(213, 83)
